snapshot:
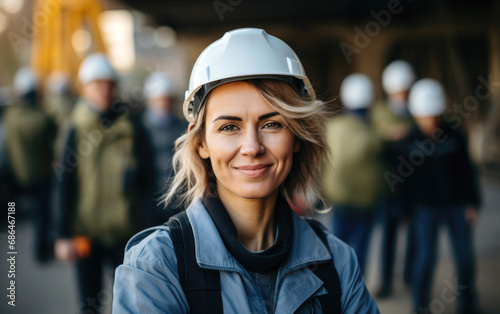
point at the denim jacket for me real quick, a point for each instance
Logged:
(148, 282)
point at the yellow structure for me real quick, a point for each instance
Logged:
(56, 22)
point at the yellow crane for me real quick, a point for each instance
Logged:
(57, 22)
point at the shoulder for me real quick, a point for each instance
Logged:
(137, 118)
(355, 297)
(452, 131)
(342, 253)
(80, 108)
(380, 107)
(344, 256)
(148, 281)
(151, 252)
(153, 245)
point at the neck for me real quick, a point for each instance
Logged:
(398, 106)
(427, 131)
(158, 117)
(253, 219)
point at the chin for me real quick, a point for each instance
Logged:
(254, 192)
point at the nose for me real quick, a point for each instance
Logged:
(252, 145)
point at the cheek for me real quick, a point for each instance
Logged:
(283, 146)
(221, 149)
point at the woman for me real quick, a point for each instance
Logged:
(255, 142)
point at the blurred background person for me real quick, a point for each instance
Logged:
(97, 190)
(444, 191)
(59, 98)
(6, 180)
(29, 135)
(353, 181)
(161, 129)
(392, 122)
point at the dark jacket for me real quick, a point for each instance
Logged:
(443, 173)
(157, 149)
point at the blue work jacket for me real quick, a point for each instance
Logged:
(148, 281)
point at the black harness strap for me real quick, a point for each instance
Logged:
(201, 286)
(330, 303)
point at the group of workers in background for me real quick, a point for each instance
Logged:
(401, 161)
(93, 171)
(90, 169)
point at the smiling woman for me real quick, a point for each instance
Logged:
(277, 110)
(254, 145)
(250, 149)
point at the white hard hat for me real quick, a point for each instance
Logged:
(96, 67)
(25, 81)
(427, 98)
(243, 54)
(397, 77)
(356, 91)
(158, 84)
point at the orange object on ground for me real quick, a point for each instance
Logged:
(82, 246)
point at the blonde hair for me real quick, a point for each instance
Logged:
(194, 177)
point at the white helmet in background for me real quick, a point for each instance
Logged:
(158, 84)
(397, 77)
(243, 54)
(356, 91)
(96, 67)
(427, 98)
(25, 81)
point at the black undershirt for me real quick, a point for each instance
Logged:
(267, 260)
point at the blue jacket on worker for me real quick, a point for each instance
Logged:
(148, 281)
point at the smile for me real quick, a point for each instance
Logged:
(254, 171)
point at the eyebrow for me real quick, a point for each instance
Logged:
(234, 118)
(268, 115)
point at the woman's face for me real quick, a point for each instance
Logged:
(249, 146)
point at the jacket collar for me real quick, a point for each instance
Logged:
(307, 248)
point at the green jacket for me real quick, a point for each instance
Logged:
(30, 140)
(386, 123)
(392, 129)
(101, 202)
(59, 107)
(353, 176)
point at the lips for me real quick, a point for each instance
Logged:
(253, 171)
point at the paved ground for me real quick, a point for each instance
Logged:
(51, 289)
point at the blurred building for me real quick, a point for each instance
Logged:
(454, 41)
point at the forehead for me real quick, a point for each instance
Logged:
(236, 99)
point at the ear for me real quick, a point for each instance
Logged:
(191, 126)
(203, 150)
(296, 145)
